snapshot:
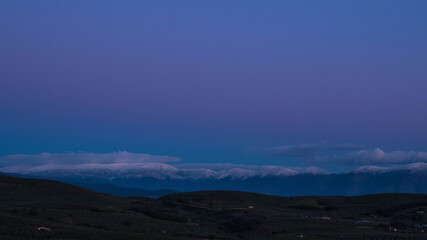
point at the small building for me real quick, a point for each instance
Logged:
(251, 207)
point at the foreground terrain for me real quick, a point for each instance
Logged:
(44, 209)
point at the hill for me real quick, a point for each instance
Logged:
(65, 211)
(124, 191)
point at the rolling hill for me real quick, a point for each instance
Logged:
(46, 209)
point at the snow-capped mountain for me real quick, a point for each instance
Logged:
(413, 167)
(411, 178)
(156, 170)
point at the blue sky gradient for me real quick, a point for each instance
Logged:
(210, 81)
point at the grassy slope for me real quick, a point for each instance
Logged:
(76, 213)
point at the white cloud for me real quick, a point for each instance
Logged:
(71, 158)
(136, 165)
(347, 154)
(376, 156)
(132, 165)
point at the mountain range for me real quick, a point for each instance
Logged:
(134, 180)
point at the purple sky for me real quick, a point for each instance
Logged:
(209, 81)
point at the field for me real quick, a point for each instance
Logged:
(44, 209)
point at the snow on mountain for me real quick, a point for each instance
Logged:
(155, 170)
(371, 169)
(413, 167)
(163, 171)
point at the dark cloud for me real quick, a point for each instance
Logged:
(312, 150)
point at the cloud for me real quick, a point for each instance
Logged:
(347, 154)
(137, 165)
(132, 165)
(311, 150)
(71, 158)
(158, 170)
(378, 156)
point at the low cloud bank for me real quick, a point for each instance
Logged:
(347, 154)
(72, 158)
(312, 150)
(110, 165)
(136, 165)
(378, 156)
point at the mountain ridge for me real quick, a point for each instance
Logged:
(411, 178)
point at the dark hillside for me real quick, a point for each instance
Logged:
(45, 191)
(65, 211)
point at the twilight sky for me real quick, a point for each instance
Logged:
(330, 84)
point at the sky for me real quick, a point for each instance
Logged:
(329, 84)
